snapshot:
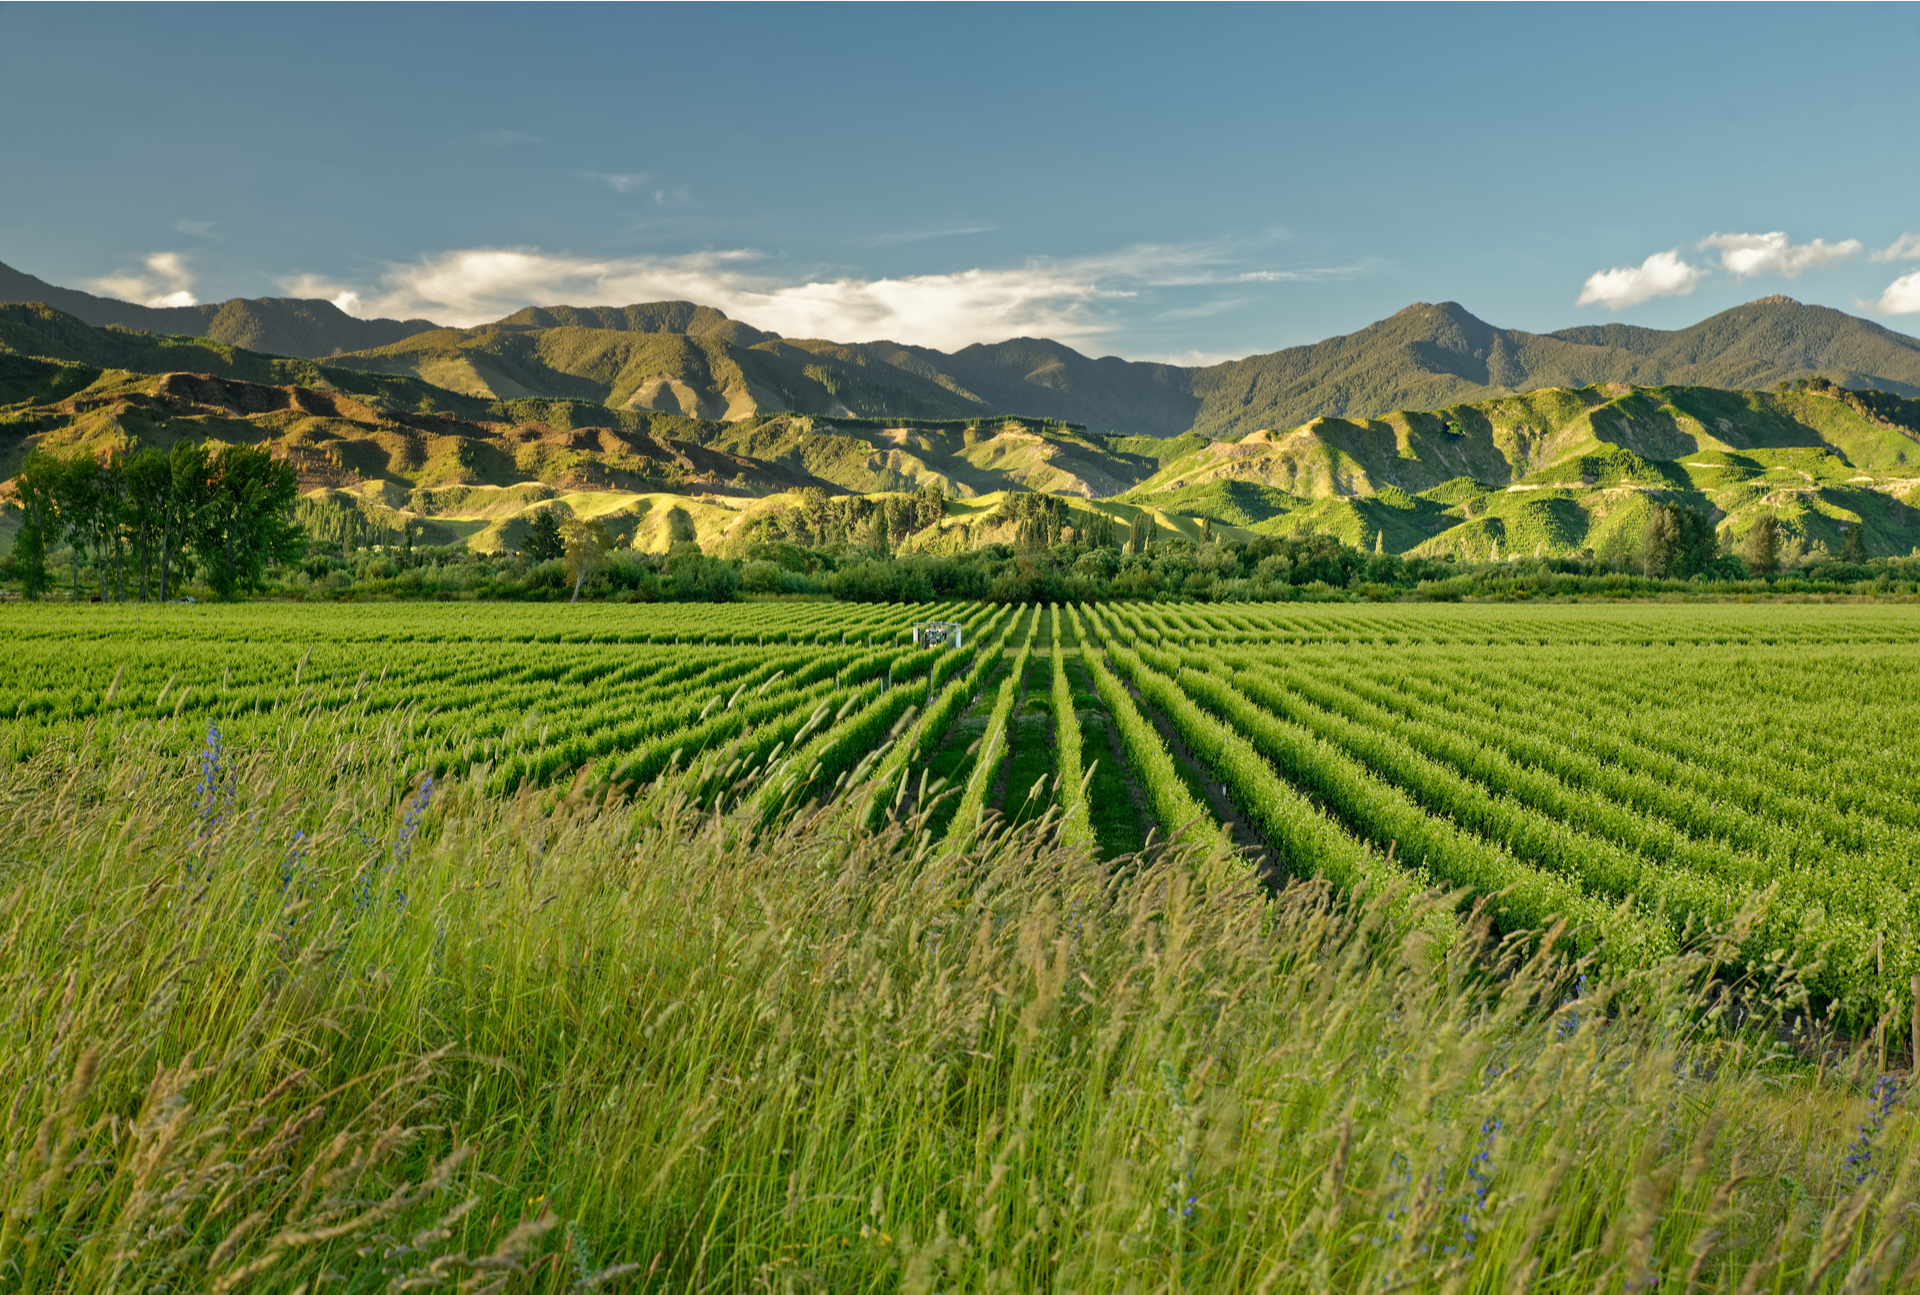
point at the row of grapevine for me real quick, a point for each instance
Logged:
(1452, 776)
(853, 745)
(895, 767)
(588, 732)
(1076, 817)
(1734, 785)
(966, 819)
(1372, 806)
(1181, 816)
(1464, 746)
(1308, 843)
(1691, 810)
(769, 723)
(1597, 625)
(1595, 864)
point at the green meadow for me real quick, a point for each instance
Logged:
(1264, 947)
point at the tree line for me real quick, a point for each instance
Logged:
(819, 519)
(227, 509)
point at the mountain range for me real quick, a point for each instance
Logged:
(693, 360)
(1502, 441)
(1555, 469)
(306, 327)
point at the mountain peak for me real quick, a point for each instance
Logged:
(308, 327)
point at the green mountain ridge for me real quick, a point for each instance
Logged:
(1551, 470)
(1432, 355)
(1424, 357)
(305, 327)
(700, 363)
(1561, 470)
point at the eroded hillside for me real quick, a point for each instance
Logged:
(1559, 470)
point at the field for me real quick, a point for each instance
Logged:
(1133, 946)
(1632, 770)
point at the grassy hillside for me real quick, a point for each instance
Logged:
(543, 407)
(1038, 376)
(648, 317)
(1559, 471)
(1427, 356)
(700, 363)
(700, 375)
(32, 333)
(692, 359)
(304, 327)
(467, 469)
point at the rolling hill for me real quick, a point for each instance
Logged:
(1561, 470)
(1424, 357)
(1432, 355)
(467, 429)
(1553, 470)
(309, 328)
(692, 359)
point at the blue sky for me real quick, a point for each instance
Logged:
(1186, 183)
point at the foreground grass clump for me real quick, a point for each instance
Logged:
(291, 1018)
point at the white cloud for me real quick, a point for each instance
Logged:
(1070, 300)
(944, 310)
(311, 286)
(166, 282)
(1904, 248)
(1902, 296)
(1748, 255)
(618, 181)
(1663, 274)
(198, 228)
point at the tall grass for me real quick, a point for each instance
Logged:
(291, 1018)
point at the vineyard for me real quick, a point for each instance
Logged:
(1639, 771)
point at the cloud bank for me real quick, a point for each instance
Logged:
(1902, 296)
(1066, 299)
(1744, 256)
(1904, 248)
(1664, 274)
(166, 282)
(1747, 255)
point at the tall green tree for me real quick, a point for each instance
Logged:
(1699, 542)
(183, 506)
(109, 520)
(247, 520)
(586, 543)
(1139, 532)
(1855, 548)
(1659, 541)
(543, 542)
(76, 493)
(1677, 541)
(1760, 547)
(36, 493)
(148, 479)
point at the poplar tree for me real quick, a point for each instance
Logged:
(1761, 546)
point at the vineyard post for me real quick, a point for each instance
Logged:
(1880, 973)
(1913, 998)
